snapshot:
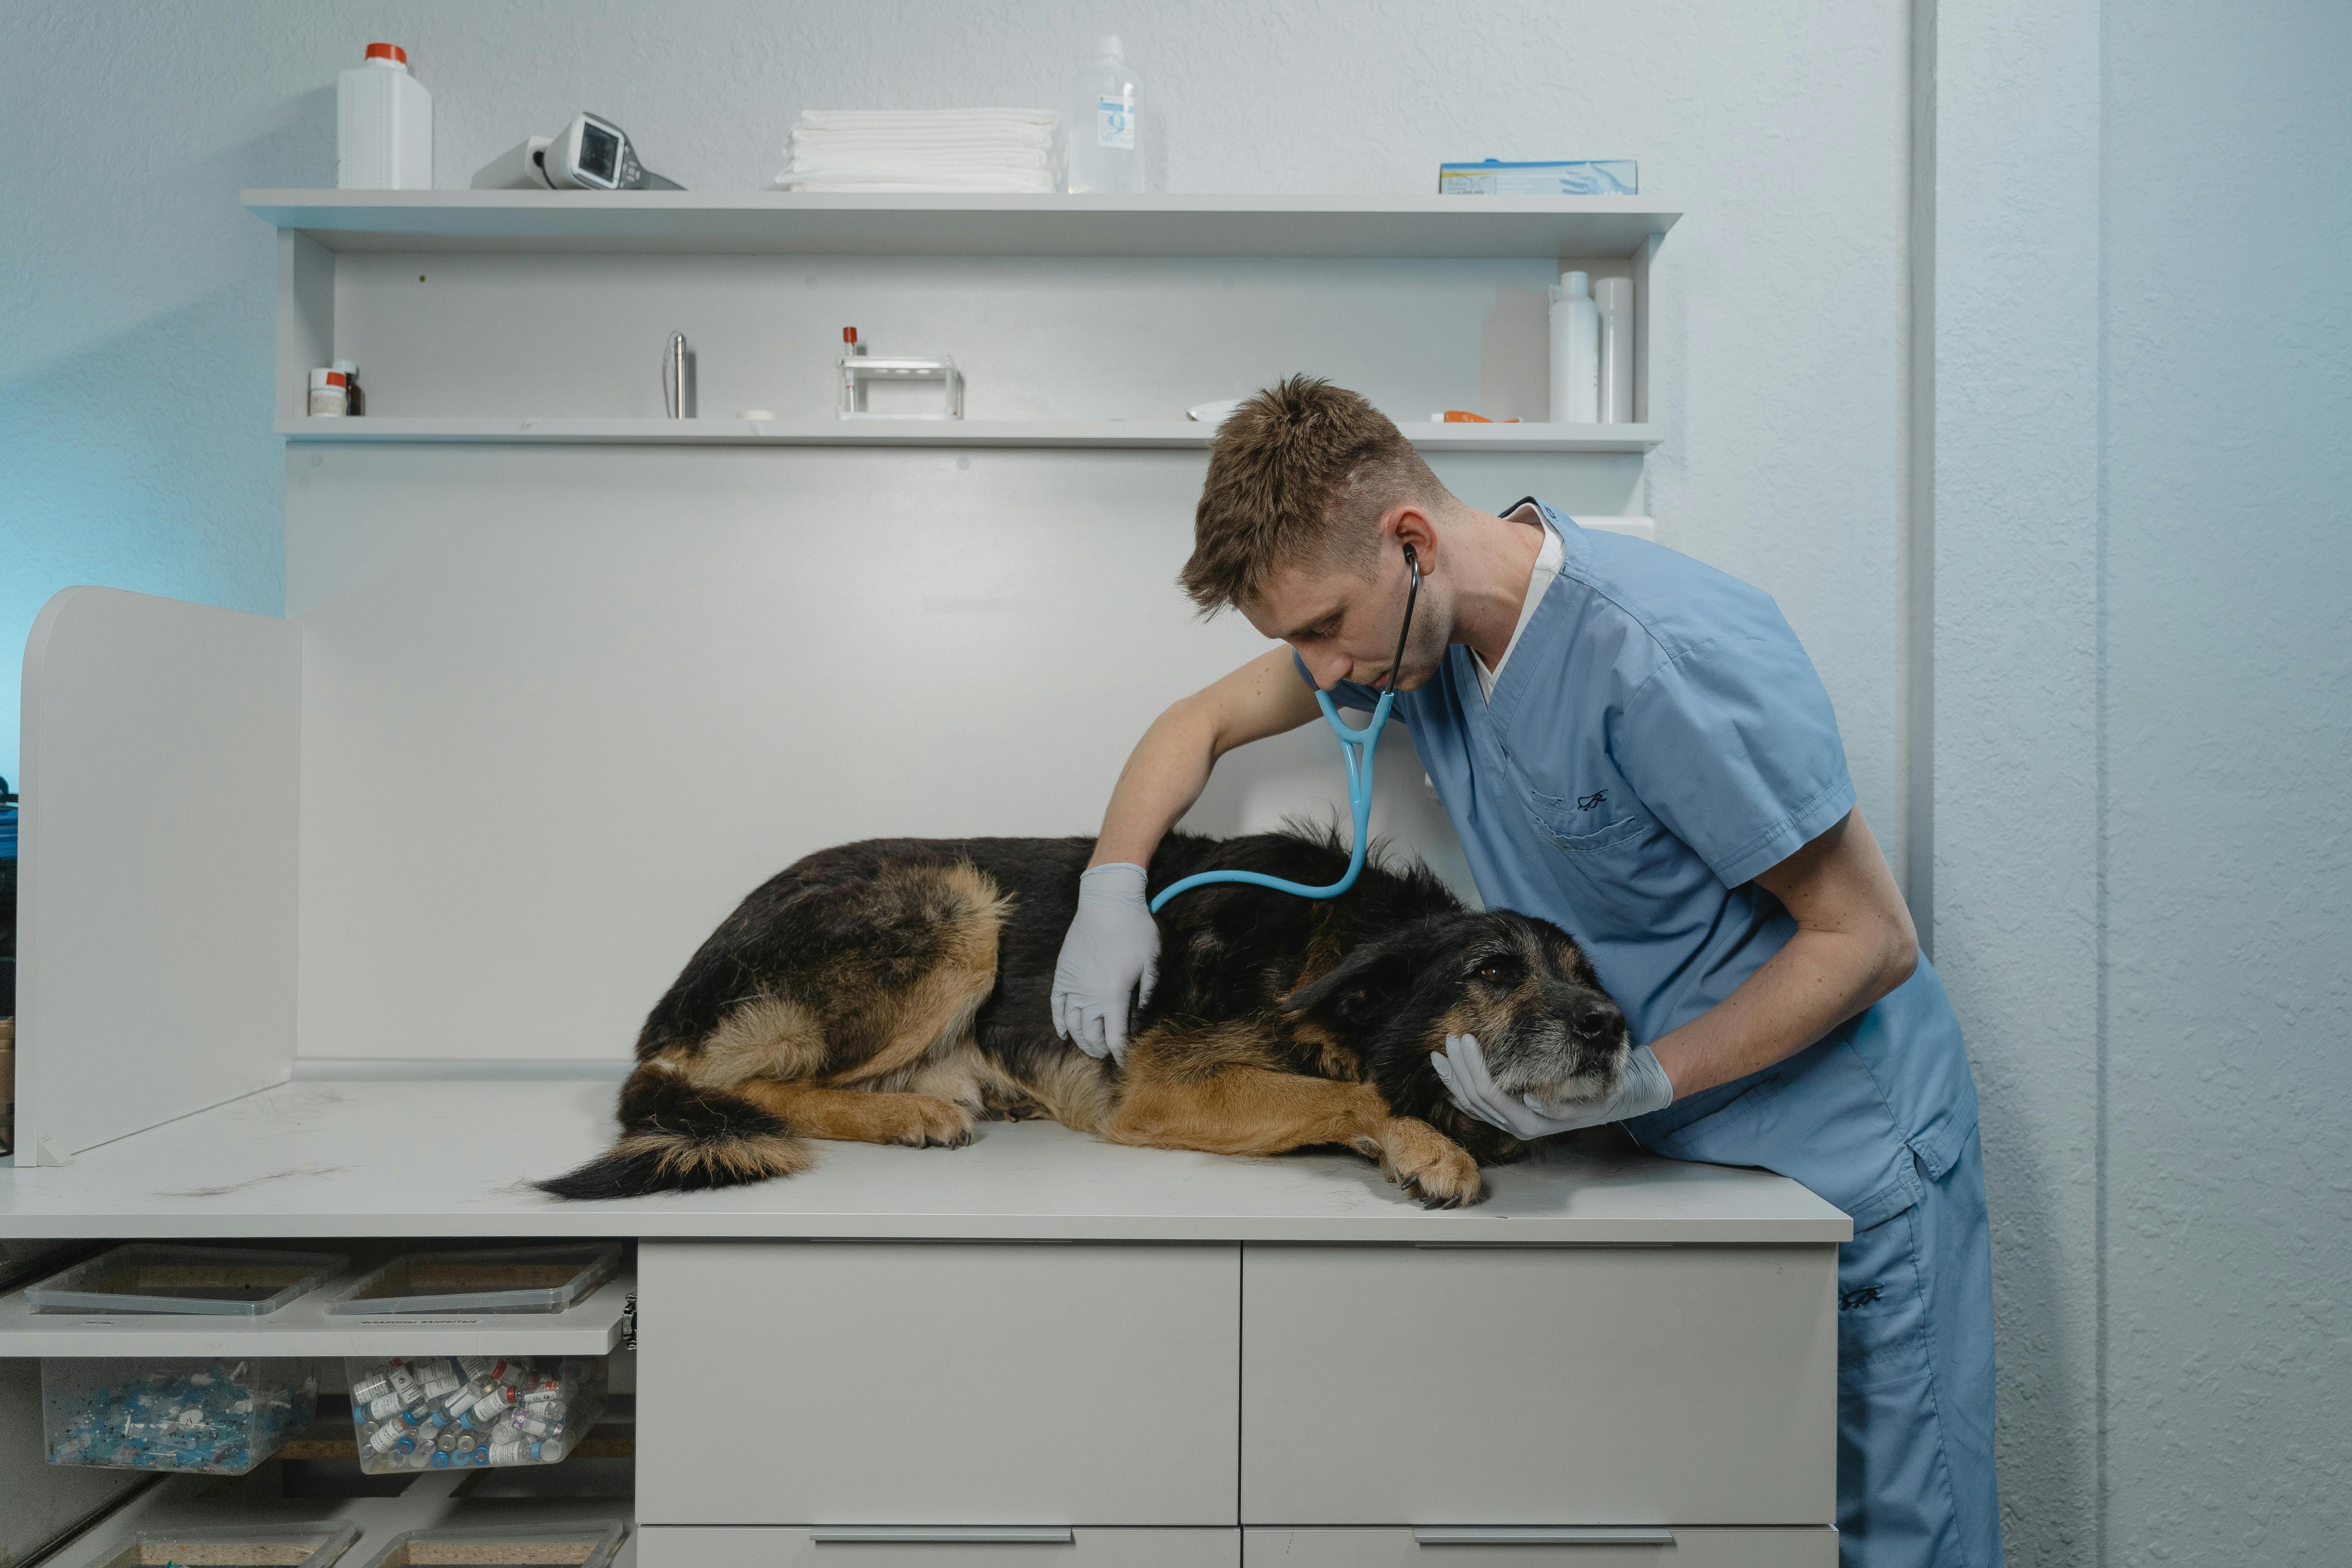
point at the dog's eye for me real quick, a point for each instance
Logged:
(1498, 971)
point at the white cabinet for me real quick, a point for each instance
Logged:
(1458, 1389)
(673, 1546)
(1680, 1547)
(1539, 1385)
(942, 1384)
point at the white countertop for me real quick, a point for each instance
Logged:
(441, 1158)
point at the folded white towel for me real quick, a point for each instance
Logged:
(1006, 150)
(946, 119)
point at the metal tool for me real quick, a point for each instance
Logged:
(674, 376)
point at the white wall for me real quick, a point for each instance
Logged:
(2015, 768)
(1785, 465)
(2142, 699)
(2226, 731)
(142, 368)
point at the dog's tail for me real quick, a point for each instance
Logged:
(676, 1138)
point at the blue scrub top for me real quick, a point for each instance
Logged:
(1656, 738)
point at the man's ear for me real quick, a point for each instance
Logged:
(1370, 979)
(1410, 522)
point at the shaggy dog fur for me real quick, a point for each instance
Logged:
(897, 991)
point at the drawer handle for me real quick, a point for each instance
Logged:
(943, 1536)
(1545, 1535)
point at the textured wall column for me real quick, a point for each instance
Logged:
(2229, 745)
(2015, 802)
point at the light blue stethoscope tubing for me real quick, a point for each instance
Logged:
(1357, 746)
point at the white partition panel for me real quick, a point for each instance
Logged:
(563, 707)
(161, 776)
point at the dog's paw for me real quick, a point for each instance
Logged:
(1435, 1170)
(927, 1121)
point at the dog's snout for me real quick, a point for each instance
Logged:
(1594, 1018)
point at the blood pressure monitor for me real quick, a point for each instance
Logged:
(592, 153)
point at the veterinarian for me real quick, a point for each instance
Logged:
(1635, 747)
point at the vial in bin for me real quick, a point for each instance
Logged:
(367, 1391)
(534, 1425)
(501, 1411)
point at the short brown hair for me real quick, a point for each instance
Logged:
(1299, 474)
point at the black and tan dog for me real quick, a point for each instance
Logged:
(896, 991)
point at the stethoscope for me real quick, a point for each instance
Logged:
(1356, 746)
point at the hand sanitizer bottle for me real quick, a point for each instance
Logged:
(1106, 151)
(384, 125)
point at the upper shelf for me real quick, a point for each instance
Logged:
(776, 223)
(1130, 434)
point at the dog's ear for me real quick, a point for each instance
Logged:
(1372, 978)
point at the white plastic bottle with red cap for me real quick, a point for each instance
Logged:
(384, 125)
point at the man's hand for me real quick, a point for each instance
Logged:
(1112, 953)
(1462, 1066)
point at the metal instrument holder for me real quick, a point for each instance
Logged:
(859, 371)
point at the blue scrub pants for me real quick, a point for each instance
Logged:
(1914, 1479)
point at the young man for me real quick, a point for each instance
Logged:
(1635, 747)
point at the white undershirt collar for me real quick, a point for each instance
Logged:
(1547, 564)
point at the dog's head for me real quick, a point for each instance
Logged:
(1522, 986)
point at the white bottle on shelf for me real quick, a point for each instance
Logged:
(330, 396)
(1575, 352)
(1104, 142)
(1614, 298)
(384, 125)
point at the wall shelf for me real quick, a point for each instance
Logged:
(776, 223)
(1114, 434)
(1079, 305)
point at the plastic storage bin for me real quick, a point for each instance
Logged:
(214, 1416)
(249, 1546)
(440, 1412)
(217, 1282)
(585, 1545)
(489, 1279)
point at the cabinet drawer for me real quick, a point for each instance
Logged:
(1678, 1546)
(692, 1546)
(1539, 1385)
(785, 1383)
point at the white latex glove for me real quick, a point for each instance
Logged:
(1112, 952)
(1462, 1066)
